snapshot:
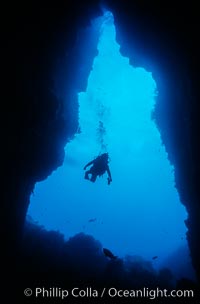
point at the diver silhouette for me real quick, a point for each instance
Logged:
(100, 166)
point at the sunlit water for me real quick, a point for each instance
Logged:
(140, 212)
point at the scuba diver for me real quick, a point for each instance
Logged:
(100, 166)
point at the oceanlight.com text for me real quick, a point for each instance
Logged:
(112, 292)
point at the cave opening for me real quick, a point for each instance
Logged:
(139, 213)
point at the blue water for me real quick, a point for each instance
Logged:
(140, 212)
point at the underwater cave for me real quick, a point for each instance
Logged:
(139, 213)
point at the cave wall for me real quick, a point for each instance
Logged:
(162, 38)
(39, 114)
(39, 42)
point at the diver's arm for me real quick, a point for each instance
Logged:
(90, 163)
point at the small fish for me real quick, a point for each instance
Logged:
(92, 220)
(155, 257)
(109, 254)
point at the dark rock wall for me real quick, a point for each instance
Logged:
(40, 64)
(40, 113)
(163, 39)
